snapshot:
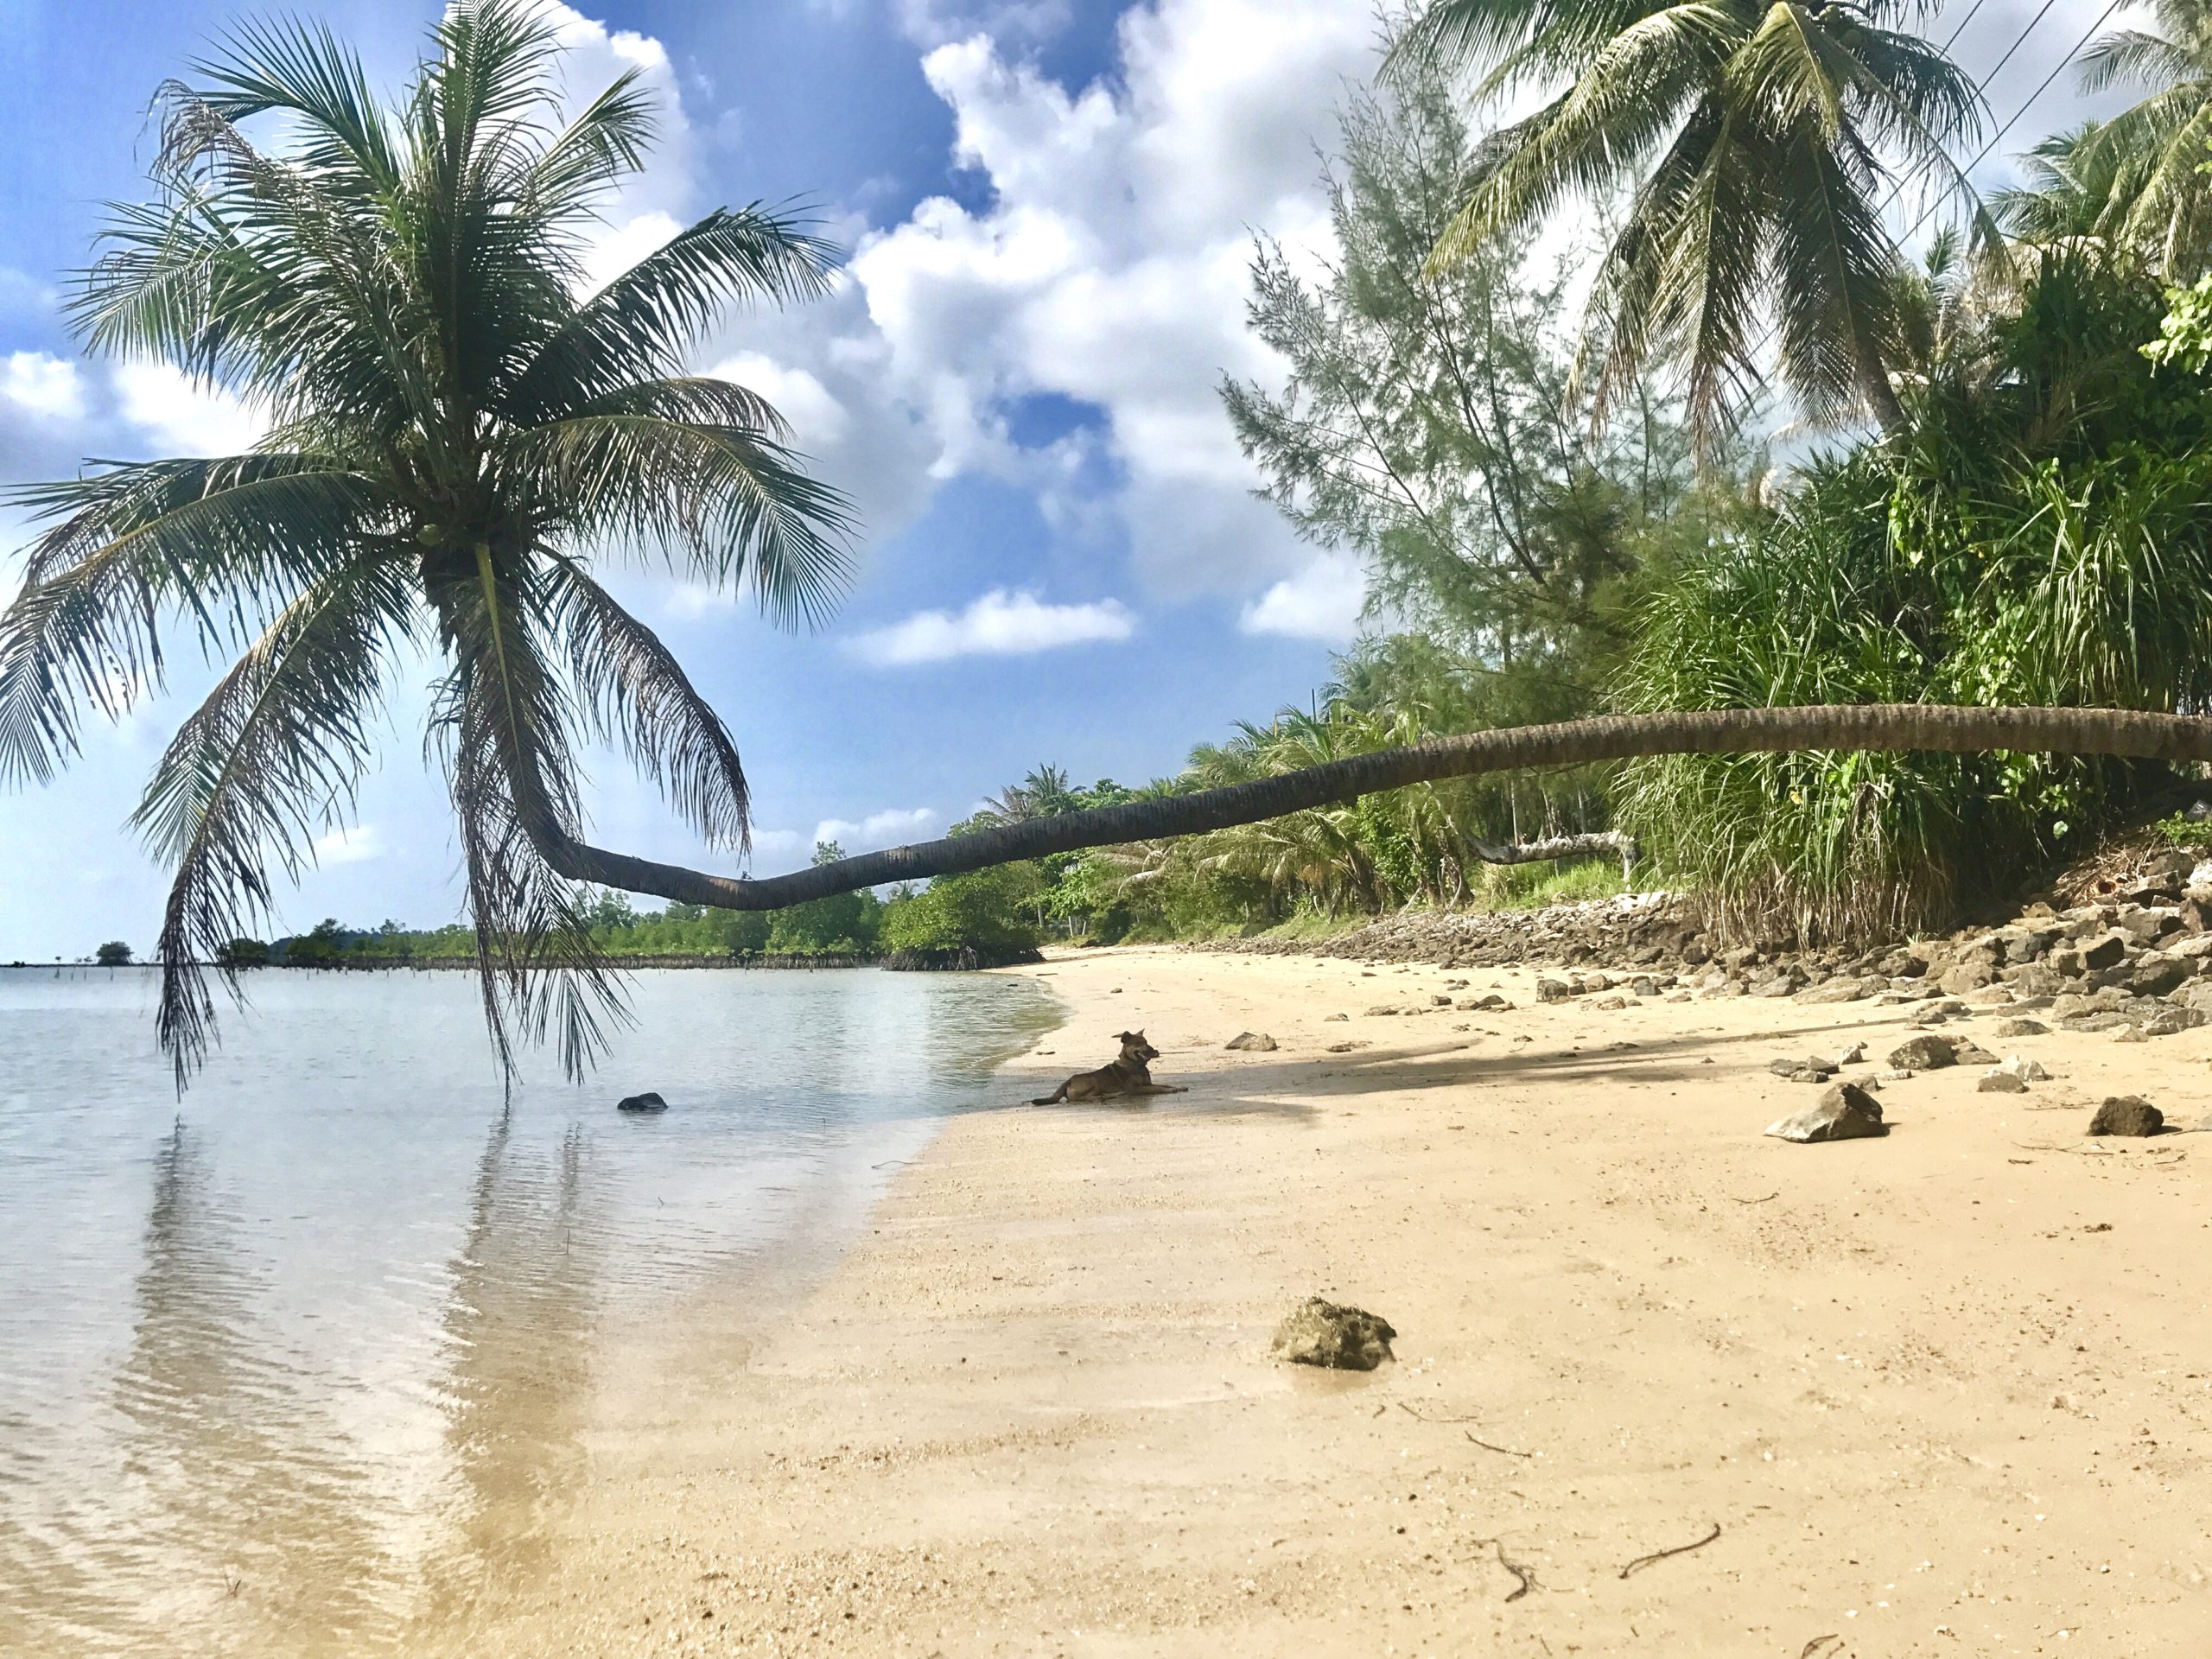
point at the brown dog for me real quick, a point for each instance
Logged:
(1129, 1075)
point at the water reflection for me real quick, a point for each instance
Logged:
(295, 1373)
(517, 1325)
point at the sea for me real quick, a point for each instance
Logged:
(282, 1359)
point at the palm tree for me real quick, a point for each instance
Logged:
(2070, 191)
(456, 429)
(2151, 157)
(1753, 134)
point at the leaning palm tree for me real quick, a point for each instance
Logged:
(2151, 156)
(456, 429)
(1751, 137)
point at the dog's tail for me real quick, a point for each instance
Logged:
(1052, 1099)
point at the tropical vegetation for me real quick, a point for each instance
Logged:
(1929, 633)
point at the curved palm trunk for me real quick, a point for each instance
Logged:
(1870, 727)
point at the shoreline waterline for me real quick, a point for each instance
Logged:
(298, 1365)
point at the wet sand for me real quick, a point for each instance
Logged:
(1948, 1392)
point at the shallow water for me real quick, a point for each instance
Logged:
(289, 1367)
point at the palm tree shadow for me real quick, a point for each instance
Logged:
(1678, 1057)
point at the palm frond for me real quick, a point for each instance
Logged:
(639, 325)
(1621, 108)
(271, 756)
(607, 139)
(640, 692)
(733, 500)
(228, 542)
(2135, 55)
(1837, 294)
(500, 730)
(302, 69)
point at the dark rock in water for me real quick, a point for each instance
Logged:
(1928, 1052)
(1320, 1332)
(1256, 1041)
(644, 1103)
(1844, 1112)
(2129, 1115)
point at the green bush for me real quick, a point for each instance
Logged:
(990, 911)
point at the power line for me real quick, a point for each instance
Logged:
(1992, 73)
(2042, 87)
(1982, 83)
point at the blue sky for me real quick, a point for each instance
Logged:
(1048, 203)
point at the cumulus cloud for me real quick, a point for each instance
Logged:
(933, 22)
(179, 416)
(1322, 602)
(1111, 266)
(885, 829)
(892, 826)
(998, 624)
(357, 845)
(42, 385)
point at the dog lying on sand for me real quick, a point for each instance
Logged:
(1129, 1075)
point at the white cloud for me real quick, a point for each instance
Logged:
(777, 843)
(1322, 602)
(355, 846)
(179, 416)
(818, 420)
(1110, 267)
(43, 385)
(888, 828)
(616, 247)
(999, 624)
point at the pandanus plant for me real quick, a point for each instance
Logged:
(458, 431)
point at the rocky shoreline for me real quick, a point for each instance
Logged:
(2135, 961)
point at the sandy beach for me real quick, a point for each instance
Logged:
(1948, 1392)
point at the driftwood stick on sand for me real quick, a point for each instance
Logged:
(1679, 1549)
